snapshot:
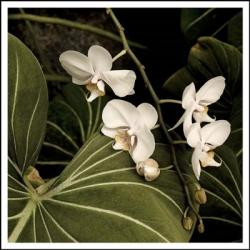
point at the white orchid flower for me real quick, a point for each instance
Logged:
(204, 140)
(130, 127)
(195, 103)
(95, 69)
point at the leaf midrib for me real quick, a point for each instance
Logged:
(26, 213)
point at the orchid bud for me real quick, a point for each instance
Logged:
(149, 169)
(201, 228)
(187, 223)
(34, 177)
(140, 168)
(200, 196)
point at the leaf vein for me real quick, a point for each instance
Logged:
(113, 213)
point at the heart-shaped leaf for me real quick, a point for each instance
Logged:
(71, 121)
(27, 104)
(99, 197)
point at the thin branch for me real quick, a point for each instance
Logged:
(72, 24)
(64, 163)
(157, 104)
(179, 142)
(162, 101)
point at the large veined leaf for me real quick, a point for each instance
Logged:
(235, 139)
(27, 104)
(71, 121)
(99, 197)
(196, 22)
(222, 214)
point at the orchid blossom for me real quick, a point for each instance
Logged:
(204, 140)
(130, 127)
(195, 103)
(95, 69)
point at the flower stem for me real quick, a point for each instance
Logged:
(157, 104)
(123, 52)
(179, 142)
(162, 101)
(72, 24)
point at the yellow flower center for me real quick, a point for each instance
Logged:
(207, 160)
(124, 139)
(93, 87)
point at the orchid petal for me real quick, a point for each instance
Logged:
(101, 86)
(179, 122)
(77, 65)
(211, 91)
(194, 136)
(119, 113)
(100, 59)
(202, 117)
(93, 95)
(215, 133)
(132, 92)
(110, 132)
(120, 81)
(148, 114)
(79, 82)
(144, 146)
(196, 162)
(187, 123)
(188, 96)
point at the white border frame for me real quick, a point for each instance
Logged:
(127, 4)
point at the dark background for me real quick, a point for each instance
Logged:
(158, 29)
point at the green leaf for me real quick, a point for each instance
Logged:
(234, 31)
(27, 104)
(196, 22)
(235, 139)
(223, 187)
(99, 197)
(71, 121)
